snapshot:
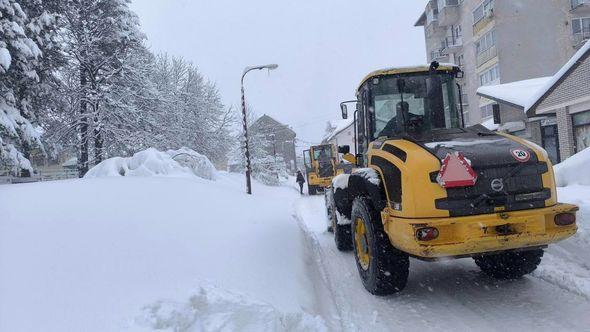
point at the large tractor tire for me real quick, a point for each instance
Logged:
(510, 265)
(342, 236)
(383, 269)
(330, 209)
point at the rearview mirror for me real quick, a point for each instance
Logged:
(344, 111)
(459, 74)
(344, 149)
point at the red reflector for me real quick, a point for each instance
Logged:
(427, 234)
(565, 219)
(456, 172)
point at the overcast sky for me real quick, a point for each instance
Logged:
(323, 48)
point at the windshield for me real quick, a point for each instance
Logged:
(322, 152)
(413, 104)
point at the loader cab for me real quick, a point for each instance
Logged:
(411, 103)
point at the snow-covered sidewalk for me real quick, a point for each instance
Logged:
(111, 254)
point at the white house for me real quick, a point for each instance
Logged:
(341, 133)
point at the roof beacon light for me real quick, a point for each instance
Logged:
(456, 172)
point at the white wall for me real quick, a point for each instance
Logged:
(345, 137)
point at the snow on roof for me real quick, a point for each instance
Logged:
(489, 123)
(527, 93)
(557, 77)
(517, 93)
(339, 126)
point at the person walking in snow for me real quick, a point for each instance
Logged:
(300, 181)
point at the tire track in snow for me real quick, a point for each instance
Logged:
(448, 296)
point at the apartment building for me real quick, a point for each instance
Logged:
(502, 41)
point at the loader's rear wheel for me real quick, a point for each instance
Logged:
(510, 265)
(383, 269)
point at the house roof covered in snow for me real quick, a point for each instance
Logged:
(269, 125)
(516, 94)
(529, 94)
(337, 127)
(565, 71)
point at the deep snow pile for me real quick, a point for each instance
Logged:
(141, 253)
(199, 164)
(214, 309)
(574, 170)
(151, 162)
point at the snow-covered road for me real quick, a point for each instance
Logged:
(452, 295)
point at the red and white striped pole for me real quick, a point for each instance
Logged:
(245, 124)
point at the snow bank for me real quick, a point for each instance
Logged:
(93, 252)
(214, 309)
(151, 162)
(574, 170)
(200, 165)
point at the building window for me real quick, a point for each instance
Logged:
(581, 122)
(487, 111)
(447, 3)
(481, 11)
(490, 76)
(486, 42)
(581, 29)
(432, 16)
(576, 3)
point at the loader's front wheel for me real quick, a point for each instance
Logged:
(342, 236)
(510, 265)
(383, 269)
(330, 209)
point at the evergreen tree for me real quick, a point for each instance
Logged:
(26, 53)
(100, 35)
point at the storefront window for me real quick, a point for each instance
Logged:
(581, 123)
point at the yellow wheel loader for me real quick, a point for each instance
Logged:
(428, 187)
(322, 163)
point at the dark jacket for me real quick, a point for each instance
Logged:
(300, 177)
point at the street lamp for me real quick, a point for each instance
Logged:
(244, 122)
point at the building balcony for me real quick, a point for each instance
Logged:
(579, 39)
(449, 12)
(439, 55)
(452, 44)
(487, 55)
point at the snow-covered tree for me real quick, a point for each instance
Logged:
(27, 32)
(191, 111)
(100, 36)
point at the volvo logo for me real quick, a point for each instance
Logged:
(497, 185)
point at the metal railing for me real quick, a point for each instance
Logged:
(451, 41)
(581, 37)
(53, 175)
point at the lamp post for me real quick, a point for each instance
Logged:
(245, 123)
